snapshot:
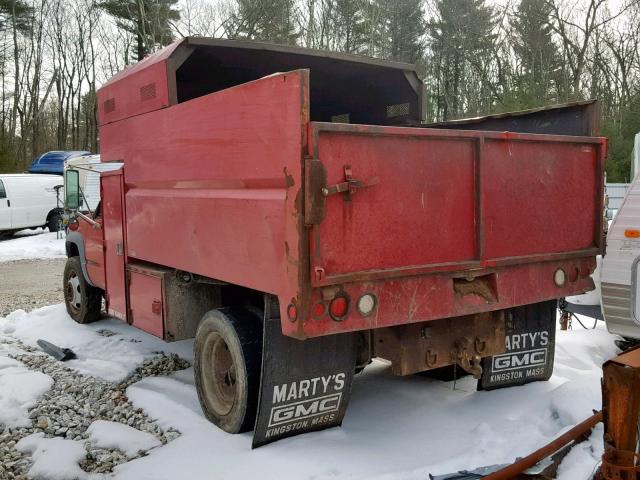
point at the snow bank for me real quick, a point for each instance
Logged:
(114, 435)
(20, 388)
(421, 425)
(28, 245)
(53, 458)
(110, 358)
(395, 428)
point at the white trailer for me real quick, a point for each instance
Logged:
(620, 277)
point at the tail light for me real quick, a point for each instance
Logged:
(292, 312)
(73, 226)
(319, 310)
(367, 304)
(339, 307)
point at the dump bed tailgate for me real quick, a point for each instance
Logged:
(391, 201)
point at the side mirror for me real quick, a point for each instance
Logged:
(72, 189)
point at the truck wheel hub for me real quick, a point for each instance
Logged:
(73, 292)
(223, 378)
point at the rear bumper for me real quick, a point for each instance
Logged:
(439, 295)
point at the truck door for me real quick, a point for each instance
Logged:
(114, 261)
(5, 208)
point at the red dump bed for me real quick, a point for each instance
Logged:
(241, 186)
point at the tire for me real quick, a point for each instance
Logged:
(83, 301)
(54, 223)
(227, 364)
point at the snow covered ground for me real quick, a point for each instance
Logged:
(30, 244)
(395, 428)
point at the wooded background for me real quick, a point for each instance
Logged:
(476, 56)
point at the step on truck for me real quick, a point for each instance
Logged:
(290, 210)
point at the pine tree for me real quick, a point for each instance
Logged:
(538, 54)
(15, 11)
(461, 40)
(266, 20)
(403, 29)
(349, 24)
(148, 20)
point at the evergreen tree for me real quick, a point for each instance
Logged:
(349, 24)
(15, 11)
(148, 20)
(461, 40)
(538, 54)
(402, 29)
(266, 20)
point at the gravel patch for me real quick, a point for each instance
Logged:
(30, 284)
(73, 403)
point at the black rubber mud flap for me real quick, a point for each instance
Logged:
(305, 385)
(530, 342)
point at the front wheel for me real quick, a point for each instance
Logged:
(54, 224)
(82, 300)
(227, 363)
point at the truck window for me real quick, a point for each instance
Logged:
(3, 193)
(72, 189)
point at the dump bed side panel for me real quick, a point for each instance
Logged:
(212, 183)
(429, 200)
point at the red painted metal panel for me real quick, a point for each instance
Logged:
(446, 200)
(141, 88)
(145, 299)
(430, 297)
(422, 210)
(94, 252)
(113, 220)
(538, 196)
(213, 183)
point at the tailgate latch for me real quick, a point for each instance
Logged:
(350, 186)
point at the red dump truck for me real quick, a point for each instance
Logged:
(289, 210)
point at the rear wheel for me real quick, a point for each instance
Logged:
(228, 357)
(82, 300)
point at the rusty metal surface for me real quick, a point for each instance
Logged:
(513, 470)
(620, 465)
(424, 346)
(575, 118)
(621, 401)
(621, 407)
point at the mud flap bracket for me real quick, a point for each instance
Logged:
(305, 385)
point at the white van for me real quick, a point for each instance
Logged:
(29, 201)
(89, 168)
